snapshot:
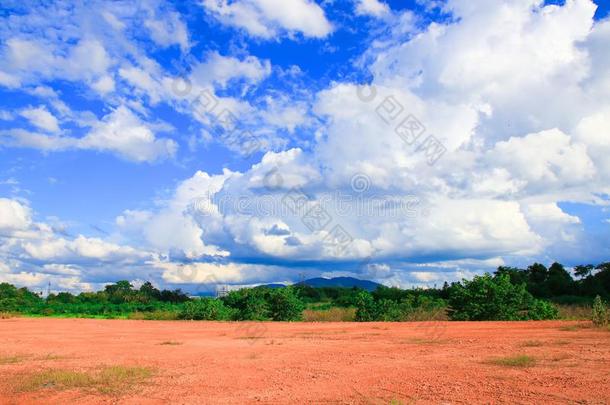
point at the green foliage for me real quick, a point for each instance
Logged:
(488, 298)
(366, 308)
(284, 305)
(208, 309)
(542, 310)
(600, 312)
(249, 304)
(14, 299)
(395, 305)
(262, 303)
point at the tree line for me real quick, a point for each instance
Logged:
(507, 294)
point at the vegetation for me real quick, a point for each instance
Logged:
(496, 298)
(600, 312)
(534, 293)
(514, 361)
(109, 380)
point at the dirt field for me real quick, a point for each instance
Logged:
(298, 363)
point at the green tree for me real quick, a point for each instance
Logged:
(249, 303)
(583, 271)
(600, 312)
(559, 281)
(488, 298)
(366, 308)
(209, 309)
(284, 304)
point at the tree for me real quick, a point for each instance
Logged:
(559, 281)
(537, 276)
(284, 304)
(488, 298)
(600, 312)
(366, 308)
(583, 271)
(209, 309)
(517, 276)
(249, 303)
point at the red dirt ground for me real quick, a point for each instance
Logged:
(315, 363)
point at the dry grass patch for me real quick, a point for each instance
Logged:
(574, 312)
(112, 380)
(519, 361)
(13, 359)
(334, 314)
(531, 343)
(6, 315)
(424, 341)
(574, 328)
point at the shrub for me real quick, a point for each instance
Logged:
(600, 312)
(488, 298)
(542, 310)
(249, 304)
(366, 308)
(209, 309)
(284, 305)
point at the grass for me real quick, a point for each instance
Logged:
(574, 312)
(170, 343)
(158, 315)
(519, 361)
(531, 343)
(576, 327)
(11, 359)
(112, 380)
(424, 341)
(6, 315)
(335, 314)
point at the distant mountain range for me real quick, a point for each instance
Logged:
(345, 282)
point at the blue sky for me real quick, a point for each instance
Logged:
(109, 170)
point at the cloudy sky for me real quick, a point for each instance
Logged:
(252, 141)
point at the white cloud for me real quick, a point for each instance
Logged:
(122, 132)
(41, 118)
(222, 69)
(14, 215)
(268, 19)
(375, 8)
(168, 30)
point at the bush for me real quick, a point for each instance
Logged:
(488, 298)
(366, 308)
(600, 312)
(284, 305)
(208, 309)
(541, 310)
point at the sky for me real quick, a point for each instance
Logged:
(216, 142)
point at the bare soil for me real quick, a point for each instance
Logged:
(312, 363)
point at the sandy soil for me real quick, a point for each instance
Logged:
(306, 363)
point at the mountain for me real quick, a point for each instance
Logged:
(345, 282)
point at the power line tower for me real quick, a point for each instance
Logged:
(222, 291)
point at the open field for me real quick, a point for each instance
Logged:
(127, 361)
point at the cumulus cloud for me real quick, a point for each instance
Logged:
(34, 253)
(121, 132)
(269, 19)
(222, 69)
(41, 118)
(375, 8)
